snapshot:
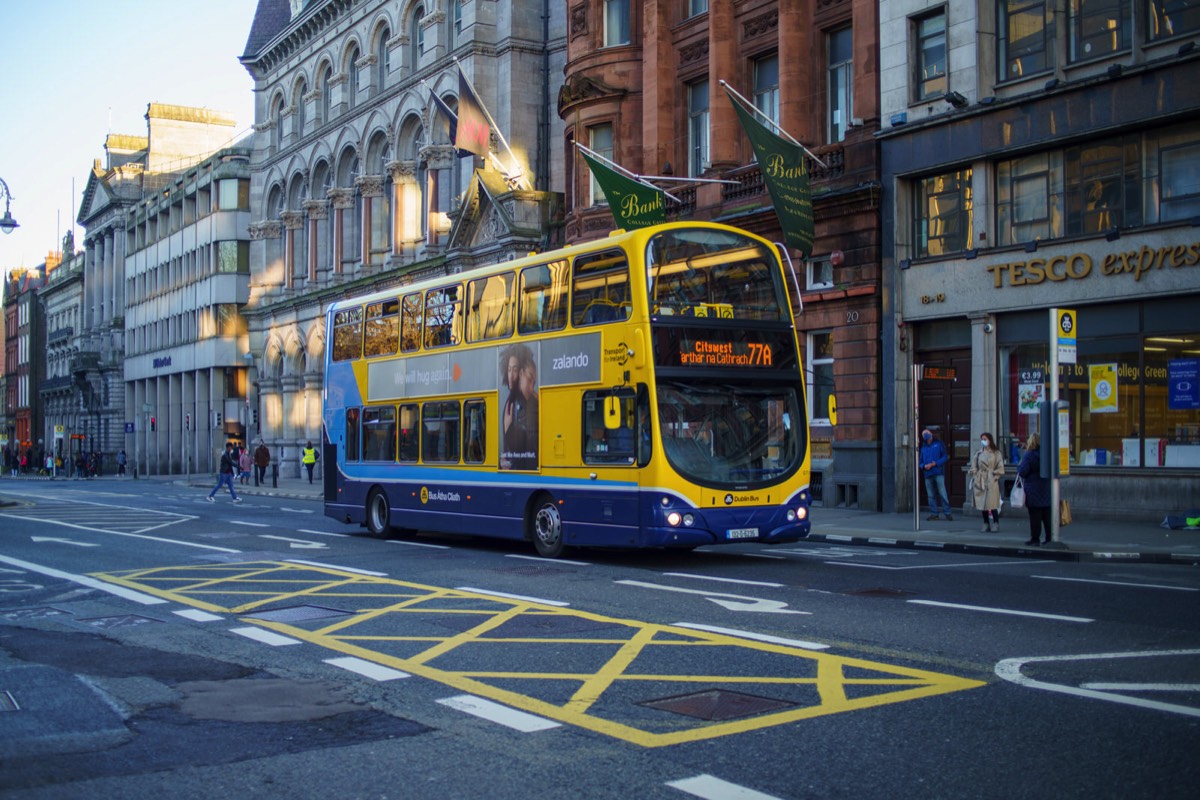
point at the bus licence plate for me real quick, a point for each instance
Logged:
(741, 533)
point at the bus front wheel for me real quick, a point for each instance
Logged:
(379, 516)
(546, 525)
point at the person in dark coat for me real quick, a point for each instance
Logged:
(1037, 490)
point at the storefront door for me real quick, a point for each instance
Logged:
(945, 408)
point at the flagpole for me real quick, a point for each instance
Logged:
(751, 107)
(618, 168)
(491, 121)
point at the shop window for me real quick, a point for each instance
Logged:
(820, 372)
(1098, 28)
(1167, 18)
(944, 213)
(1026, 38)
(929, 34)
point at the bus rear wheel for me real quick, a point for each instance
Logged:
(546, 528)
(379, 516)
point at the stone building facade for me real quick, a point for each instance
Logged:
(354, 183)
(135, 166)
(1042, 156)
(643, 87)
(64, 415)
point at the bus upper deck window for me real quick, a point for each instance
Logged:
(347, 334)
(600, 288)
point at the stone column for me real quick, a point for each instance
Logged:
(984, 401)
(407, 203)
(370, 187)
(341, 199)
(268, 233)
(439, 160)
(724, 130)
(318, 212)
(293, 224)
(290, 386)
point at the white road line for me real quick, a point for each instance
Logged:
(125, 533)
(510, 596)
(249, 524)
(266, 637)
(723, 580)
(710, 788)
(1010, 670)
(335, 566)
(83, 580)
(196, 615)
(1059, 617)
(299, 544)
(754, 555)
(296, 510)
(1118, 583)
(761, 637)
(494, 712)
(549, 560)
(322, 533)
(734, 602)
(368, 669)
(419, 544)
(994, 563)
(1143, 687)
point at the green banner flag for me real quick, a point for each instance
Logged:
(633, 204)
(785, 173)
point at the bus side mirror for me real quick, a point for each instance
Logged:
(612, 412)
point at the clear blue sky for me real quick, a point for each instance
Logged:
(75, 70)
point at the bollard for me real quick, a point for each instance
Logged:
(274, 476)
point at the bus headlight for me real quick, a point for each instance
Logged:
(688, 520)
(801, 513)
(673, 519)
(791, 515)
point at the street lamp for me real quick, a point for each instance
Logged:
(7, 223)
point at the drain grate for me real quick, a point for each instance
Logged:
(298, 613)
(880, 591)
(8, 702)
(716, 705)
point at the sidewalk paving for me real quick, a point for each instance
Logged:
(1087, 539)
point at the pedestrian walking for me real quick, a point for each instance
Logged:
(309, 457)
(262, 459)
(225, 474)
(987, 468)
(50, 465)
(933, 466)
(1037, 490)
(121, 459)
(244, 466)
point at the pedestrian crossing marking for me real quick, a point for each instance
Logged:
(606, 669)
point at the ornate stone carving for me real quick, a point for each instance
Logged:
(582, 87)
(309, 97)
(579, 20)
(341, 197)
(339, 79)
(369, 185)
(763, 23)
(266, 229)
(693, 52)
(366, 61)
(402, 171)
(316, 209)
(437, 156)
(292, 220)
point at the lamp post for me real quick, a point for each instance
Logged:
(7, 223)
(249, 357)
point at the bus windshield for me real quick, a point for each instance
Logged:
(729, 436)
(698, 272)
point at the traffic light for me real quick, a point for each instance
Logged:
(187, 422)
(254, 417)
(216, 419)
(153, 425)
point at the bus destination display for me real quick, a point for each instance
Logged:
(723, 349)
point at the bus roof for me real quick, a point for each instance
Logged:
(616, 238)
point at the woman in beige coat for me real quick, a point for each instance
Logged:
(987, 468)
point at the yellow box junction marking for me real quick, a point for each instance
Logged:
(605, 668)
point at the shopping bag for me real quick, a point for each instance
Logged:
(1017, 498)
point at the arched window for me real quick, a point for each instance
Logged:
(322, 182)
(277, 122)
(417, 36)
(323, 86)
(379, 154)
(352, 77)
(383, 66)
(454, 29)
(351, 217)
(297, 194)
(301, 109)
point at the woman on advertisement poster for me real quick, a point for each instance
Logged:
(519, 420)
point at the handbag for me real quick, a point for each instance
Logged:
(1064, 512)
(1017, 498)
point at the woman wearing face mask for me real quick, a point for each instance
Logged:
(986, 470)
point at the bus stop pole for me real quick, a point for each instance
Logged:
(918, 474)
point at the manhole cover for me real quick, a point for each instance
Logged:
(298, 613)
(718, 704)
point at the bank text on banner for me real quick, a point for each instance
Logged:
(633, 204)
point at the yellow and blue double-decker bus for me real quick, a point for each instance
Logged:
(642, 390)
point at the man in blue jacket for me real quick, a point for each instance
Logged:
(933, 463)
